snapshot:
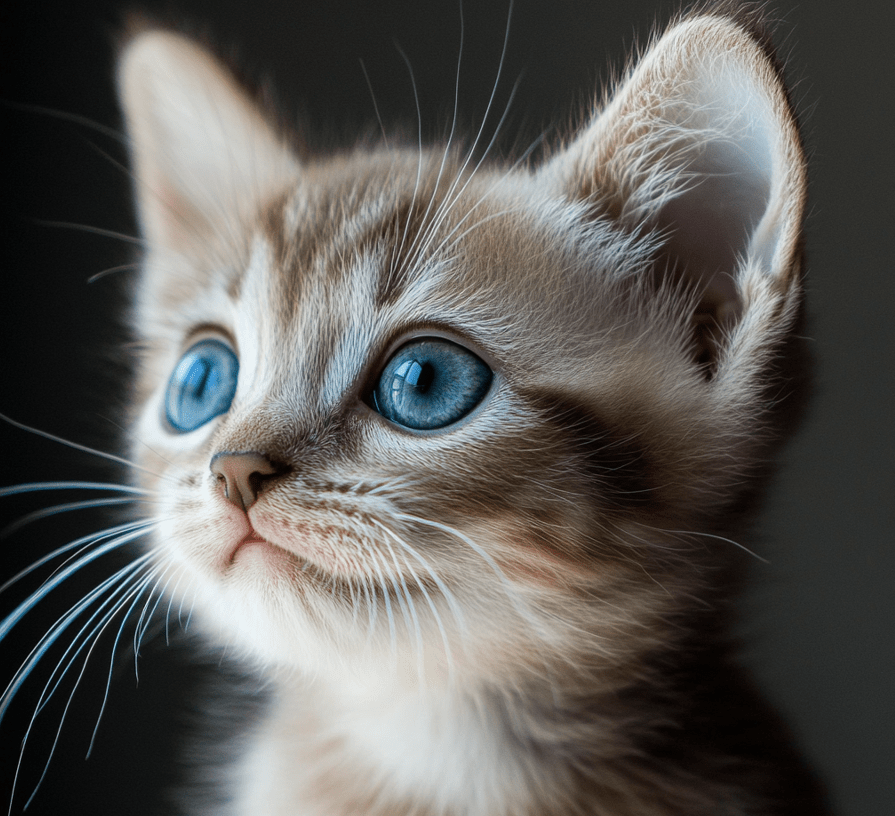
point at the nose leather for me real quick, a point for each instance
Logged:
(241, 475)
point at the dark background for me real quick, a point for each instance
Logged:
(818, 623)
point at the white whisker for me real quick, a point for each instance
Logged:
(713, 536)
(32, 487)
(107, 233)
(47, 641)
(422, 587)
(102, 708)
(112, 269)
(456, 610)
(369, 593)
(510, 591)
(109, 675)
(76, 446)
(86, 541)
(171, 596)
(143, 624)
(121, 578)
(509, 171)
(398, 250)
(375, 105)
(453, 194)
(56, 509)
(393, 636)
(411, 607)
(421, 238)
(13, 618)
(93, 639)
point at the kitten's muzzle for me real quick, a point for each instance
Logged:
(242, 475)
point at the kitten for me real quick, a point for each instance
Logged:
(454, 453)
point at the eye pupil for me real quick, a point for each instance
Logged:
(412, 373)
(425, 374)
(197, 379)
(430, 384)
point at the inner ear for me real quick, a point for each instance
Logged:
(709, 224)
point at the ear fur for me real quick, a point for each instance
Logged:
(203, 154)
(699, 144)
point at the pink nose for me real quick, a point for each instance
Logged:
(241, 475)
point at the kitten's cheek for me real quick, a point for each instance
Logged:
(324, 544)
(297, 540)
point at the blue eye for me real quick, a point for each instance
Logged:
(202, 385)
(431, 383)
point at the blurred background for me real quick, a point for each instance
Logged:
(817, 626)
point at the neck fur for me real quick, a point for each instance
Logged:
(382, 748)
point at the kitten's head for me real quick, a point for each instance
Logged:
(403, 411)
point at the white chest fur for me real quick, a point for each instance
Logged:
(324, 751)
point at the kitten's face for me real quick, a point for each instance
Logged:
(531, 505)
(472, 532)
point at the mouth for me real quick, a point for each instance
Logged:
(253, 548)
(254, 541)
(250, 539)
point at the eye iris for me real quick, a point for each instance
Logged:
(202, 386)
(430, 384)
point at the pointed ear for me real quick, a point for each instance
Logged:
(699, 144)
(203, 155)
